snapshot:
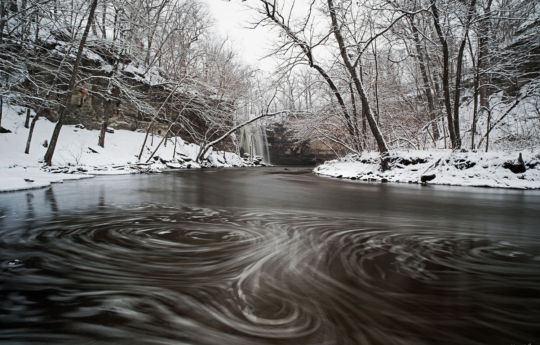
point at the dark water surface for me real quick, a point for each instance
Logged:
(267, 256)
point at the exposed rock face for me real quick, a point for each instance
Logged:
(284, 150)
(126, 110)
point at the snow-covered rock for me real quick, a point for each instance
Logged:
(481, 169)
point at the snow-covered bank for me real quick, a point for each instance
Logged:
(78, 156)
(479, 169)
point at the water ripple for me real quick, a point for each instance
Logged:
(162, 275)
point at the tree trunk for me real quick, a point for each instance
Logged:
(31, 131)
(445, 75)
(483, 79)
(175, 143)
(104, 20)
(364, 124)
(3, 16)
(459, 66)
(27, 120)
(475, 63)
(54, 138)
(378, 111)
(107, 110)
(207, 146)
(108, 105)
(484, 32)
(357, 139)
(148, 129)
(381, 144)
(444, 133)
(425, 80)
(488, 129)
(475, 105)
(455, 116)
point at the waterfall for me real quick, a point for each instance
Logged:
(254, 142)
(266, 155)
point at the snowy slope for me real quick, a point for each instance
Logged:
(74, 158)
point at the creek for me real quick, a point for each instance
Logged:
(267, 256)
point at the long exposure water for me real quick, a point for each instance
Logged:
(267, 256)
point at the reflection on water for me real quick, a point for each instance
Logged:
(113, 269)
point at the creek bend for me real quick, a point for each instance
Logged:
(267, 256)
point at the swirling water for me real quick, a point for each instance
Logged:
(268, 256)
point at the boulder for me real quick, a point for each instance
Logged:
(426, 178)
(516, 167)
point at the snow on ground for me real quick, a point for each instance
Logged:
(19, 178)
(77, 154)
(480, 169)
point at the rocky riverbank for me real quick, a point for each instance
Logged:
(520, 170)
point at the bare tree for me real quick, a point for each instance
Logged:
(336, 30)
(71, 86)
(272, 13)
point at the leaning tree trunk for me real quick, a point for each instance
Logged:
(375, 130)
(61, 117)
(27, 120)
(205, 147)
(31, 131)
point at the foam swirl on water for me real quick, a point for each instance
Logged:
(161, 275)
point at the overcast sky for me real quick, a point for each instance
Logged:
(233, 19)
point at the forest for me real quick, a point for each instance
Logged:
(350, 76)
